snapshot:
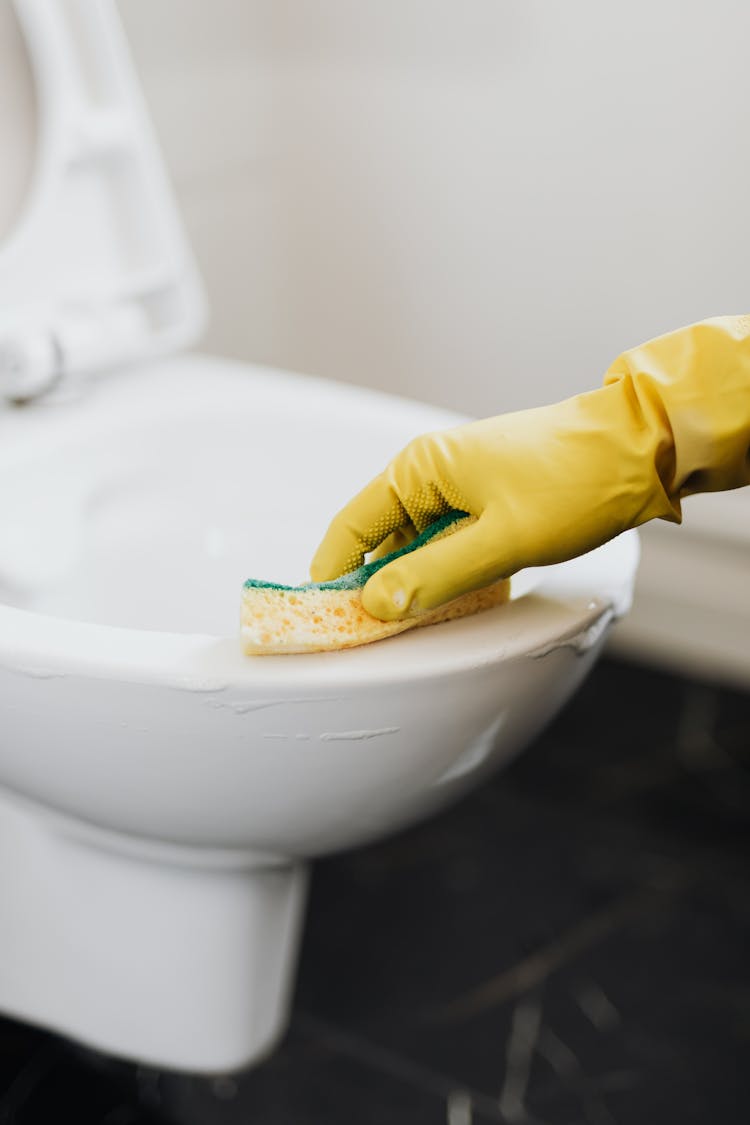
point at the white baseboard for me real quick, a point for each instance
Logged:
(692, 604)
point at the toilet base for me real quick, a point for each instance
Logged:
(188, 966)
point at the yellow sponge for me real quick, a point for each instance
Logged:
(325, 616)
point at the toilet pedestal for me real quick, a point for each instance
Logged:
(186, 965)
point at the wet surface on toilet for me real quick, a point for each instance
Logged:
(568, 946)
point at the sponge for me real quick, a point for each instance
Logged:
(326, 616)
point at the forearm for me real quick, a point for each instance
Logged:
(691, 390)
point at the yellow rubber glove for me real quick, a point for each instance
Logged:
(673, 418)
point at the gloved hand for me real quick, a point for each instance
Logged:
(673, 418)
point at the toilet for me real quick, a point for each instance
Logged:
(162, 795)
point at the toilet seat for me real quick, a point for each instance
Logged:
(97, 272)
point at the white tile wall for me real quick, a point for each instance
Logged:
(479, 204)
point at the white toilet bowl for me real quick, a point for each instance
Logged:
(160, 791)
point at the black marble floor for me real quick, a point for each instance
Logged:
(568, 946)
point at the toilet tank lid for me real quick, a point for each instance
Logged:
(97, 271)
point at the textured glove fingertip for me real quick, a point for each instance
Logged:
(320, 572)
(386, 595)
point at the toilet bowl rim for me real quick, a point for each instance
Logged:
(50, 647)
